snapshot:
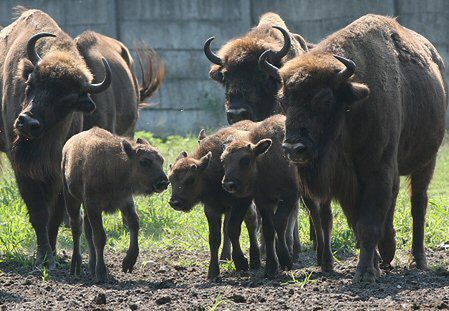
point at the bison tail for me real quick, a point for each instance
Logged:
(152, 72)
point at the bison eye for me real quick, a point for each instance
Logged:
(145, 162)
(244, 162)
(190, 180)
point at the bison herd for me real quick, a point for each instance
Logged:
(338, 120)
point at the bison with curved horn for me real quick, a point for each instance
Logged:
(45, 89)
(353, 104)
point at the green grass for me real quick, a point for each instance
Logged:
(163, 228)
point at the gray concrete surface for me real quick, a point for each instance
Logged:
(188, 100)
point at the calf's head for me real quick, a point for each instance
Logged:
(315, 92)
(239, 164)
(147, 174)
(186, 178)
(56, 85)
(250, 92)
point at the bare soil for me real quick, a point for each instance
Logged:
(173, 280)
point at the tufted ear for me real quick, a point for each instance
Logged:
(262, 146)
(204, 161)
(182, 155)
(25, 68)
(126, 146)
(353, 92)
(202, 134)
(142, 141)
(215, 73)
(85, 104)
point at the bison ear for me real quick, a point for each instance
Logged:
(215, 73)
(26, 67)
(202, 135)
(142, 141)
(182, 155)
(262, 146)
(353, 92)
(204, 161)
(127, 148)
(85, 104)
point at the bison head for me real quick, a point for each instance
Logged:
(186, 178)
(250, 92)
(146, 167)
(239, 163)
(316, 91)
(56, 85)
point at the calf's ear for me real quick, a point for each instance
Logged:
(85, 104)
(353, 92)
(126, 146)
(204, 161)
(202, 134)
(182, 155)
(262, 146)
(142, 141)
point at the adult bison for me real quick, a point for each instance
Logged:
(43, 101)
(117, 107)
(251, 93)
(353, 130)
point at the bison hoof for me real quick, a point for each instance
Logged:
(225, 255)
(421, 263)
(286, 263)
(255, 264)
(327, 266)
(47, 260)
(128, 263)
(75, 268)
(241, 264)
(366, 275)
(213, 273)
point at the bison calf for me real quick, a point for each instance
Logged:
(103, 171)
(197, 179)
(255, 166)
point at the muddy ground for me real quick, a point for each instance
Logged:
(166, 280)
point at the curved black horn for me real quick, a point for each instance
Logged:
(103, 85)
(214, 58)
(277, 56)
(302, 42)
(272, 70)
(31, 46)
(344, 74)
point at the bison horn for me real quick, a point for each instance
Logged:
(272, 70)
(31, 46)
(344, 74)
(277, 56)
(94, 88)
(214, 58)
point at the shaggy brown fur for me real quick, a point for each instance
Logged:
(352, 138)
(249, 90)
(197, 179)
(117, 107)
(255, 165)
(103, 171)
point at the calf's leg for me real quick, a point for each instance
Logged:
(238, 212)
(226, 250)
(214, 222)
(252, 224)
(131, 218)
(266, 211)
(99, 239)
(281, 219)
(90, 244)
(73, 207)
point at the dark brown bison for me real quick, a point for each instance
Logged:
(103, 171)
(250, 92)
(353, 130)
(197, 179)
(117, 107)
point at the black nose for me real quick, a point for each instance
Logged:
(236, 115)
(176, 204)
(229, 186)
(28, 125)
(161, 184)
(293, 147)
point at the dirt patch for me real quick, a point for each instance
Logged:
(165, 281)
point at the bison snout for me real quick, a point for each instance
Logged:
(230, 186)
(28, 126)
(161, 184)
(177, 204)
(236, 115)
(296, 152)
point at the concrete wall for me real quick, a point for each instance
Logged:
(177, 29)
